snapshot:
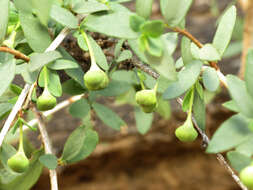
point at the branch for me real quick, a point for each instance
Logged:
(14, 112)
(194, 40)
(28, 88)
(47, 145)
(205, 138)
(17, 54)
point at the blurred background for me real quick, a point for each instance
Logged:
(157, 160)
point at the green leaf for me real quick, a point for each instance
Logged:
(136, 22)
(118, 47)
(23, 5)
(62, 64)
(38, 60)
(186, 101)
(153, 45)
(125, 76)
(80, 108)
(4, 7)
(7, 73)
(118, 18)
(99, 54)
(225, 29)
(115, 88)
(210, 79)
(144, 8)
(186, 50)
(63, 16)
(238, 91)
(35, 33)
(88, 6)
(164, 109)
(209, 53)
(143, 120)
(76, 74)
(53, 80)
(199, 110)
(26, 180)
(71, 87)
(231, 105)
(170, 40)
(124, 55)
(186, 78)
(110, 118)
(249, 72)
(238, 160)
(42, 10)
(82, 43)
(174, 11)
(49, 161)
(74, 143)
(246, 147)
(88, 146)
(135, 47)
(233, 49)
(154, 28)
(231, 133)
(4, 108)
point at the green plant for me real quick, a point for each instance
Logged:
(141, 72)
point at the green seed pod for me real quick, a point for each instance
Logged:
(46, 101)
(19, 162)
(147, 100)
(96, 80)
(246, 176)
(186, 132)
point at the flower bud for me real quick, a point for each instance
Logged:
(186, 132)
(46, 101)
(147, 100)
(96, 79)
(19, 162)
(246, 176)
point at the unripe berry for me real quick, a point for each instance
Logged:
(19, 162)
(46, 101)
(186, 132)
(246, 176)
(96, 79)
(147, 100)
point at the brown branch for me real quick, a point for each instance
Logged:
(247, 36)
(17, 54)
(195, 41)
(205, 138)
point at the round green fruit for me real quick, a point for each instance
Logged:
(186, 132)
(46, 101)
(96, 80)
(147, 100)
(18, 163)
(246, 176)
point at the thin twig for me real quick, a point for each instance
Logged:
(205, 138)
(17, 54)
(28, 88)
(14, 112)
(47, 145)
(57, 108)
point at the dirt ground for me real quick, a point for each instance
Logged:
(156, 161)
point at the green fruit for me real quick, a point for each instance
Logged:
(246, 176)
(147, 100)
(19, 162)
(186, 132)
(46, 101)
(96, 80)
